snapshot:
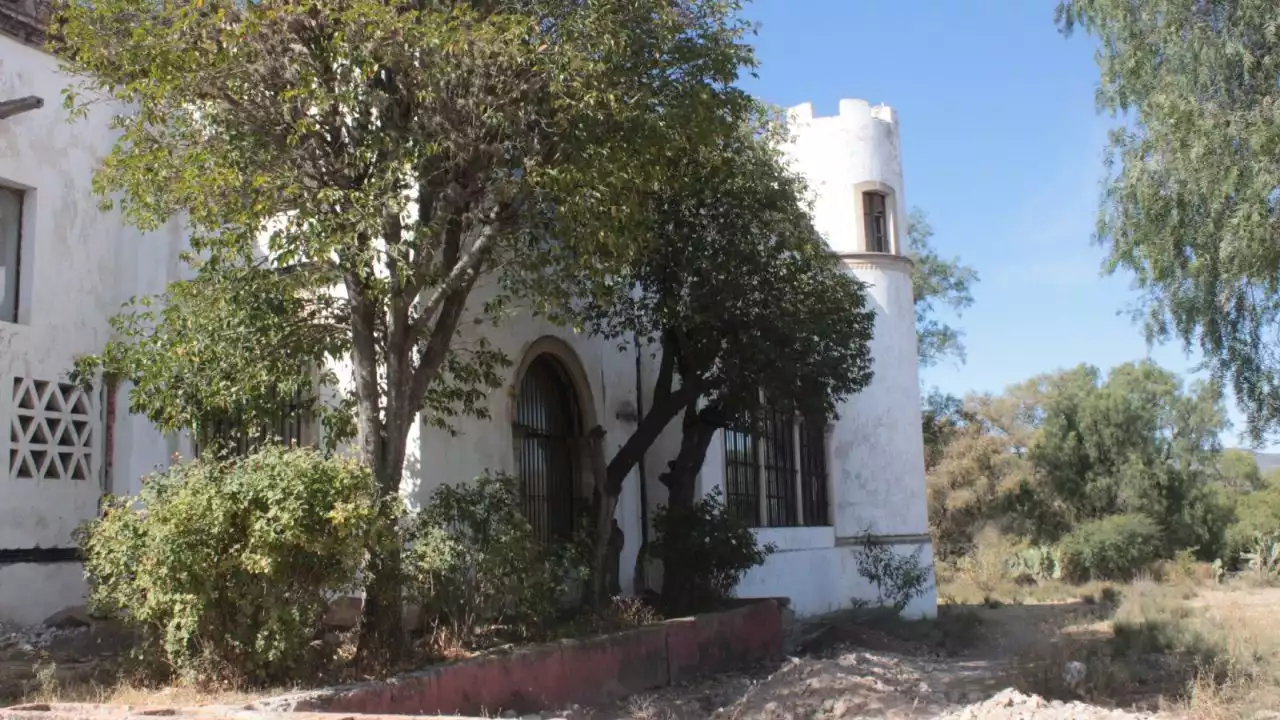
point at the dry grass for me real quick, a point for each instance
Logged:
(1204, 653)
(50, 688)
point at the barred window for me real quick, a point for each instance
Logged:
(777, 476)
(546, 429)
(742, 477)
(293, 425)
(813, 471)
(780, 470)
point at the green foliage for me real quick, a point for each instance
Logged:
(707, 544)
(1238, 471)
(234, 343)
(1134, 443)
(1191, 204)
(738, 283)
(1256, 515)
(1116, 547)
(476, 566)
(936, 281)
(898, 578)
(1263, 558)
(225, 568)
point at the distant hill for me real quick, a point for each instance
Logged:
(1267, 461)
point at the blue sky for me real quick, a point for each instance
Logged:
(1002, 148)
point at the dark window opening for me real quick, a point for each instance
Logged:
(742, 477)
(10, 251)
(780, 469)
(813, 471)
(546, 430)
(877, 222)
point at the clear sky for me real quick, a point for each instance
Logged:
(1002, 148)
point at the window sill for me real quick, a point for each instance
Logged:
(790, 539)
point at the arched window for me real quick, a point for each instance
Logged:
(547, 426)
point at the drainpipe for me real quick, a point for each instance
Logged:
(641, 577)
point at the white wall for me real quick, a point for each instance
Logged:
(78, 263)
(877, 446)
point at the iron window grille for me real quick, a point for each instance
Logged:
(776, 476)
(547, 431)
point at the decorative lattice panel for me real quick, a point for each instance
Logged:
(51, 431)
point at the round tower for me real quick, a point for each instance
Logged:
(853, 166)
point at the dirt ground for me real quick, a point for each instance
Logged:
(974, 662)
(844, 668)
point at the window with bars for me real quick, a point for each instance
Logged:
(813, 471)
(777, 476)
(546, 430)
(292, 426)
(876, 217)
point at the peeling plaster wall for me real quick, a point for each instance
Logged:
(78, 263)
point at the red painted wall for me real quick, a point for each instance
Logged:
(571, 672)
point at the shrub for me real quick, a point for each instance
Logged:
(225, 567)
(898, 579)
(705, 552)
(477, 568)
(1113, 548)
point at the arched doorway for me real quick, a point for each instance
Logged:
(546, 428)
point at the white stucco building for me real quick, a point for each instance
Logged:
(66, 267)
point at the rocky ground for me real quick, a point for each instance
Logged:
(839, 669)
(843, 670)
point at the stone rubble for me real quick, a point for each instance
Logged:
(1009, 704)
(35, 637)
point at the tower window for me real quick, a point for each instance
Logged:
(877, 221)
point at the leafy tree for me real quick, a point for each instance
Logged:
(974, 481)
(737, 295)
(1238, 471)
(944, 417)
(936, 281)
(391, 156)
(1134, 443)
(1191, 206)
(1071, 447)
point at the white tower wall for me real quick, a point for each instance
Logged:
(877, 444)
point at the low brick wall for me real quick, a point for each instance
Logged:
(556, 675)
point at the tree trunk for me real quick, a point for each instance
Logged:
(382, 637)
(681, 478)
(606, 549)
(382, 438)
(605, 505)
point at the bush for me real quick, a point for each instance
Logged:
(477, 568)
(225, 567)
(705, 552)
(1113, 548)
(899, 579)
